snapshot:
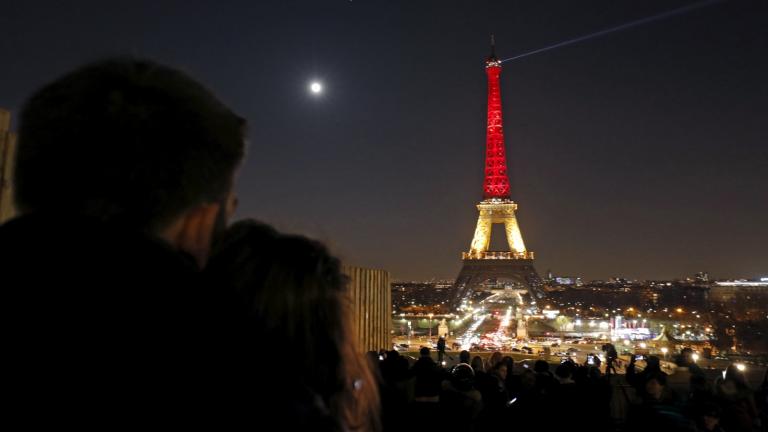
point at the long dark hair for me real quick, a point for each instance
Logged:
(295, 295)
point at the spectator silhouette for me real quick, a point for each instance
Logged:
(685, 371)
(425, 411)
(440, 349)
(739, 410)
(427, 376)
(477, 365)
(638, 379)
(495, 396)
(493, 360)
(394, 389)
(611, 355)
(658, 409)
(460, 399)
(124, 174)
(526, 403)
(512, 382)
(762, 400)
(295, 295)
(544, 378)
(568, 398)
(707, 418)
(464, 357)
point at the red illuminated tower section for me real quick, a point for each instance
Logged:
(509, 273)
(496, 184)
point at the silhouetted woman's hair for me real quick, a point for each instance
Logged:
(295, 296)
(477, 364)
(494, 360)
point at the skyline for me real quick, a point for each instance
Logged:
(641, 153)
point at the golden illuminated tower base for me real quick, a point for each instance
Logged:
(485, 270)
(495, 211)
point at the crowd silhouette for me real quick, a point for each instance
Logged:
(496, 394)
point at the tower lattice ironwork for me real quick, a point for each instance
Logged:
(496, 183)
(484, 269)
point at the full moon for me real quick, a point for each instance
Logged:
(316, 87)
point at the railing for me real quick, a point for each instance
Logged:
(491, 255)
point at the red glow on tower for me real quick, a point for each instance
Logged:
(496, 184)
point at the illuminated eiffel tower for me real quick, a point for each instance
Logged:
(496, 270)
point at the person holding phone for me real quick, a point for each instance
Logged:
(638, 379)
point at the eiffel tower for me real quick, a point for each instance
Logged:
(485, 270)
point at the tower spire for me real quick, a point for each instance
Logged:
(496, 184)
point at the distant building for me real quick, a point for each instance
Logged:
(702, 277)
(743, 283)
(371, 300)
(568, 280)
(420, 297)
(7, 158)
(693, 297)
(741, 299)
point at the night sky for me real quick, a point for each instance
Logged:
(639, 154)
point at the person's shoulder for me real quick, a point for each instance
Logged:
(87, 254)
(16, 229)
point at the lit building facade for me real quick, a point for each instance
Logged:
(7, 158)
(371, 300)
(742, 300)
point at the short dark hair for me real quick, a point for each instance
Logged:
(563, 371)
(125, 141)
(541, 366)
(660, 377)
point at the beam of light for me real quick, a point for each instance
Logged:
(631, 24)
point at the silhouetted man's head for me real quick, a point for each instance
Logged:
(133, 144)
(652, 361)
(563, 371)
(654, 384)
(541, 366)
(424, 352)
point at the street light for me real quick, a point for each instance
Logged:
(430, 328)
(410, 332)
